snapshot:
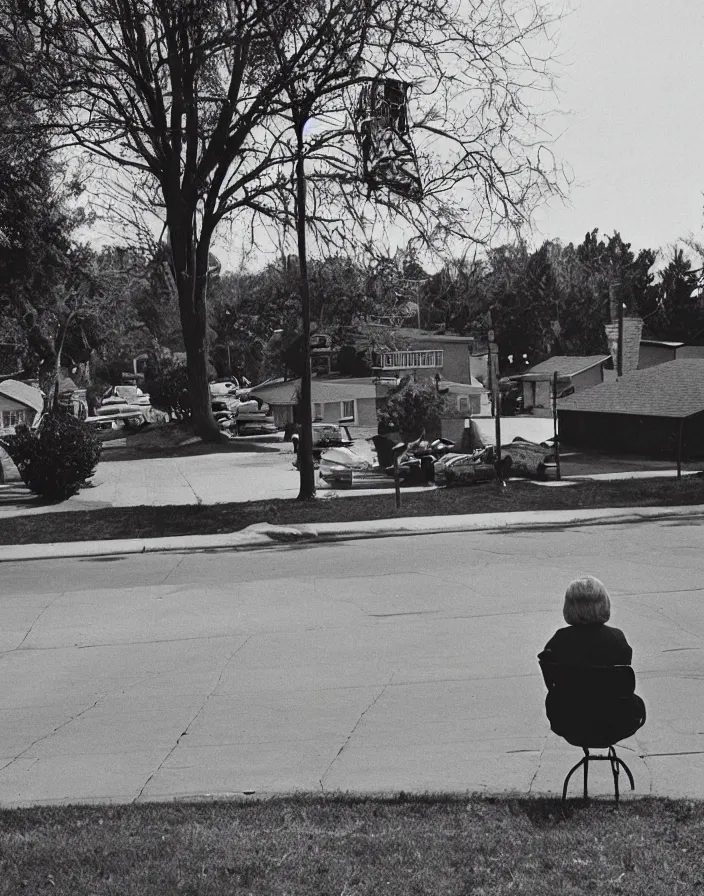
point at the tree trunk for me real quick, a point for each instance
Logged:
(191, 269)
(51, 387)
(305, 455)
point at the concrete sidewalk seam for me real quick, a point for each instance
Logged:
(265, 535)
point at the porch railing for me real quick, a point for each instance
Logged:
(407, 360)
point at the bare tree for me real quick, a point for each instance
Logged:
(479, 164)
(208, 104)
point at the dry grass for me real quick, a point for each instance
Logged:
(479, 845)
(147, 522)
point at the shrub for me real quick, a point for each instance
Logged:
(413, 408)
(57, 458)
(168, 390)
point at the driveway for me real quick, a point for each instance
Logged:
(266, 473)
(212, 478)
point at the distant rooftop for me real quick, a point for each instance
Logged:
(565, 365)
(433, 335)
(323, 389)
(23, 393)
(673, 389)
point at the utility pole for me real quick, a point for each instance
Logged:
(554, 424)
(494, 375)
(619, 369)
(305, 409)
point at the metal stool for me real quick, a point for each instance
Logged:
(588, 757)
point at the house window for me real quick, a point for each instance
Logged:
(12, 418)
(469, 404)
(318, 410)
(347, 410)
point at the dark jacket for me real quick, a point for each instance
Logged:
(588, 645)
(585, 709)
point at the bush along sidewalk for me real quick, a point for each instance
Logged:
(57, 458)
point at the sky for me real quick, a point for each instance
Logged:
(632, 122)
(629, 127)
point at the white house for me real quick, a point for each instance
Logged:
(19, 403)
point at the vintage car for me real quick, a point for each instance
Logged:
(256, 425)
(531, 459)
(337, 466)
(464, 469)
(520, 458)
(225, 419)
(224, 387)
(325, 436)
(330, 435)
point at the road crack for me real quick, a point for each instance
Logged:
(537, 768)
(195, 717)
(354, 728)
(185, 478)
(52, 733)
(42, 612)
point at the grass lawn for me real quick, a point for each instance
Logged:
(146, 522)
(476, 846)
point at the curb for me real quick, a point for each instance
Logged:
(265, 535)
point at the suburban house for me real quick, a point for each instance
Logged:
(464, 400)
(19, 403)
(659, 351)
(643, 412)
(335, 399)
(426, 354)
(574, 373)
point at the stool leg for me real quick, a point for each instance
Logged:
(627, 771)
(569, 775)
(614, 760)
(586, 772)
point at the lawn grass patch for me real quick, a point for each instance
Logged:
(170, 520)
(367, 847)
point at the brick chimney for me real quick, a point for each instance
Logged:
(632, 330)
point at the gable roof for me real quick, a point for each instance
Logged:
(565, 365)
(661, 342)
(23, 393)
(473, 388)
(416, 335)
(323, 390)
(674, 389)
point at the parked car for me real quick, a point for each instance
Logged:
(464, 469)
(325, 437)
(224, 387)
(520, 458)
(337, 466)
(531, 459)
(330, 435)
(259, 426)
(225, 419)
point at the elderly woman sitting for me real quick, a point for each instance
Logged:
(586, 704)
(587, 640)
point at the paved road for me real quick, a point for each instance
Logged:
(399, 663)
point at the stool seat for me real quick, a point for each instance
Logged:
(593, 707)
